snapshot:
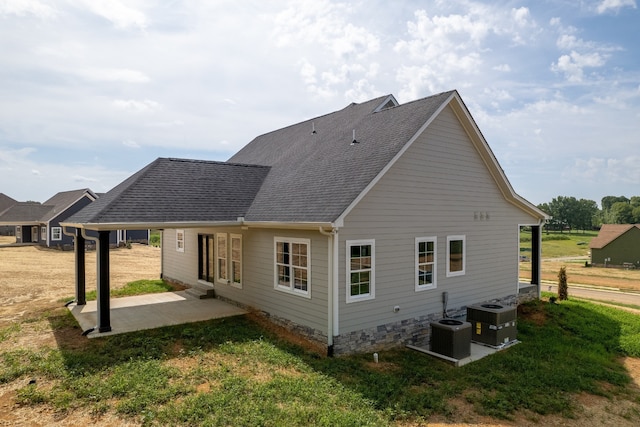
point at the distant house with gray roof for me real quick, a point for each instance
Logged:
(39, 223)
(5, 203)
(616, 245)
(350, 227)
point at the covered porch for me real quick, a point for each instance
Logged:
(151, 311)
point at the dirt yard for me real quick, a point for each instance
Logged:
(34, 278)
(33, 281)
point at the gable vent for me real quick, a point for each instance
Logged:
(389, 102)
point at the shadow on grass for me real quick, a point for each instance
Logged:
(565, 349)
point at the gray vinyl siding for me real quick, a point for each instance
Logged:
(258, 273)
(434, 189)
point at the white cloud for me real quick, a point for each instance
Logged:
(611, 171)
(120, 15)
(133, 106)
(124, 75)
(505, 68)
(80, 178)
(27, 7)
(330, 44)
(129, 143)
(614, 5)
(573, 65)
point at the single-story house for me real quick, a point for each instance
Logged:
(616, 245)
(5, 203)
(39, 223)
(356, 228)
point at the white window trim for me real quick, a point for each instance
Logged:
(433, 285)
(464, 255)
(180, 248)
(291, 289)
(56, 231)
(372, 289)
(230, 261)
(43, 233)
(224, 255)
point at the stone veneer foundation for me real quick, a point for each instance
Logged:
(415, 331)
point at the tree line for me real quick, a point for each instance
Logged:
(583, 214)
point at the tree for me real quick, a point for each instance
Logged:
(585, 212)
(608, 201)
(636, 215)
(621, 213)
(635, 201)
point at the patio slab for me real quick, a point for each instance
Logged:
(150, 311)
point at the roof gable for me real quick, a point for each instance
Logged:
(63, 200)
(608, 233)
(316, 176)
(6, 202)
(314, 171)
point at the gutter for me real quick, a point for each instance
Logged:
(332, 285)
(240, 222)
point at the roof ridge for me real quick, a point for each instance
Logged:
(215, 162)
(352, 104)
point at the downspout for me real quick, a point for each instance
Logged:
(64, 231)
(332, 286)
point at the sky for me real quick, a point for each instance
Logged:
(91, 91)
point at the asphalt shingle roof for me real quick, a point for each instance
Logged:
(6, 202)
(608, 233)
(43, 212)
(288, 175)
(178, 190)
(315, 176)
(25, 212)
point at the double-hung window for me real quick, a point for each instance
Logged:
(56, 233)
(425, 263)
(360, 270)
(236, 260)
(180, 240)
(292, 265)
(222, 257)
(456, 255)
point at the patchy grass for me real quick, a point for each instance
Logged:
(236, 372)
(139, 287)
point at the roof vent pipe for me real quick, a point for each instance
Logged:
(354, 140)
(313, 128)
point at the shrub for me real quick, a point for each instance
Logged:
(563, 293)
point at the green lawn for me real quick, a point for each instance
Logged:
(556, 245)
(234, 372)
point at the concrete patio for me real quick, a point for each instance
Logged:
(152, 311)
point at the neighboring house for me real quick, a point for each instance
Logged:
(351, 228)
(616, 245)
(5, 203)
(39, 223)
